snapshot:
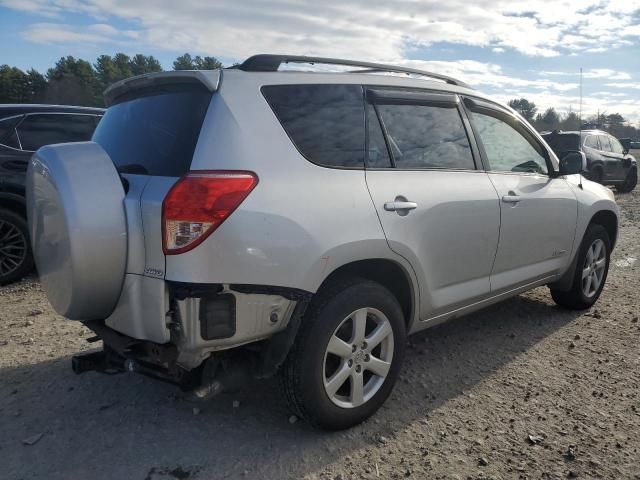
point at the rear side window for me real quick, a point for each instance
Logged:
(325, 122)
(154, 134)
(42, 129)
(425, 136)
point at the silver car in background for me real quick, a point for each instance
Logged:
(242, 223)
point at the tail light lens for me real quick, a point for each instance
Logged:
(198, 204)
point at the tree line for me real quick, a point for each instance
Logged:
(550, 120)
(73, 81)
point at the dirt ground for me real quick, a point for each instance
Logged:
(520, 390)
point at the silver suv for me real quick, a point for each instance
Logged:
(241, 223)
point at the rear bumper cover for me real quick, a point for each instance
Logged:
(154, 310)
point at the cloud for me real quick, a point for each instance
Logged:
(62, 33)
(356, 28)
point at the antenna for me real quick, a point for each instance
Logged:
(580, 125)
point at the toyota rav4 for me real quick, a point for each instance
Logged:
(260, 220)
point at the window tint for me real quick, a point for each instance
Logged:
(154, 134)
(605, 146)
(508, 149)
(616, 147)
(325, 122)
(423, 136)
(592, 142)
(47, 128)
(8, 132)
(377, 152)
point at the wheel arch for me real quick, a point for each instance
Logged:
(13, 202)
(609, 221)
(390, 274)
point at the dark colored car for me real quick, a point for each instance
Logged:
(24, 129)
(608, 161)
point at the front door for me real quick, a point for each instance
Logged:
(538, 212)
(436, 208)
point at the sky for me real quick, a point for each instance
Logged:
(506, 48)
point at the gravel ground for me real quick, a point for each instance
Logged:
(520, 390)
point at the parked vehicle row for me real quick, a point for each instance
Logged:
(608, 161)
(238, 223)
(23, 130)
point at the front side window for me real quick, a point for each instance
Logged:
(508, 146)
(425, 136)
(8, 135)
(605, 145)
(616, 147)
(592, 142)
(47, 128)
(377, 151)
(325, 122)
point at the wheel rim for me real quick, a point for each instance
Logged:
(358, 358)
(13, 248)
(593, 268)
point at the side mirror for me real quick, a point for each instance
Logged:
(626, 145)
(573, 162)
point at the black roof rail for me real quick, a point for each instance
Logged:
(271, 63)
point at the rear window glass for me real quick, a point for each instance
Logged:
(325, 122)
(154, 134)
(42, 129)
(560, 143)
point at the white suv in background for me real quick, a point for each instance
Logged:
(246, 222)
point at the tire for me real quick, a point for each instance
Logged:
(16, 259)
(630, 182)
(597, 175)
(310, 366)
(577, 298)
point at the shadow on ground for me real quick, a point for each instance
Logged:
(127, 426)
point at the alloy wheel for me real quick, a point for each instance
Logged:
(594, 268)
(13, 248)
(358, 357)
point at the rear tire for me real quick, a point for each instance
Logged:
(591, 271)
(630, 182)
(332, 377)
(16, 259)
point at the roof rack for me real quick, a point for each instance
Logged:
(271, 63)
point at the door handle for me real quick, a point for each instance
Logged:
(511, 198)
(395, 206)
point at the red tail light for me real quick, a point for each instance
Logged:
(198, 204)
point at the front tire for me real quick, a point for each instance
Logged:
(347, 355)
(16, 259)
(630, 182)
(591, 272)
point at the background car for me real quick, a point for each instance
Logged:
(24, 129)
(608, 161)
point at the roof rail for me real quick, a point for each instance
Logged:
(271, 63)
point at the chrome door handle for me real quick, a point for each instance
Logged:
(511, 198)
(395, 206)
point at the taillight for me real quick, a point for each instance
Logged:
(198, 204)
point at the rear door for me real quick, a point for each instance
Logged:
(538, 213)
(437, 209)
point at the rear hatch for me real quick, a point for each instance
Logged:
(150, 132)
(95, 207)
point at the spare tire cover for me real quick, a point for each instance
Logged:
(78, 228)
